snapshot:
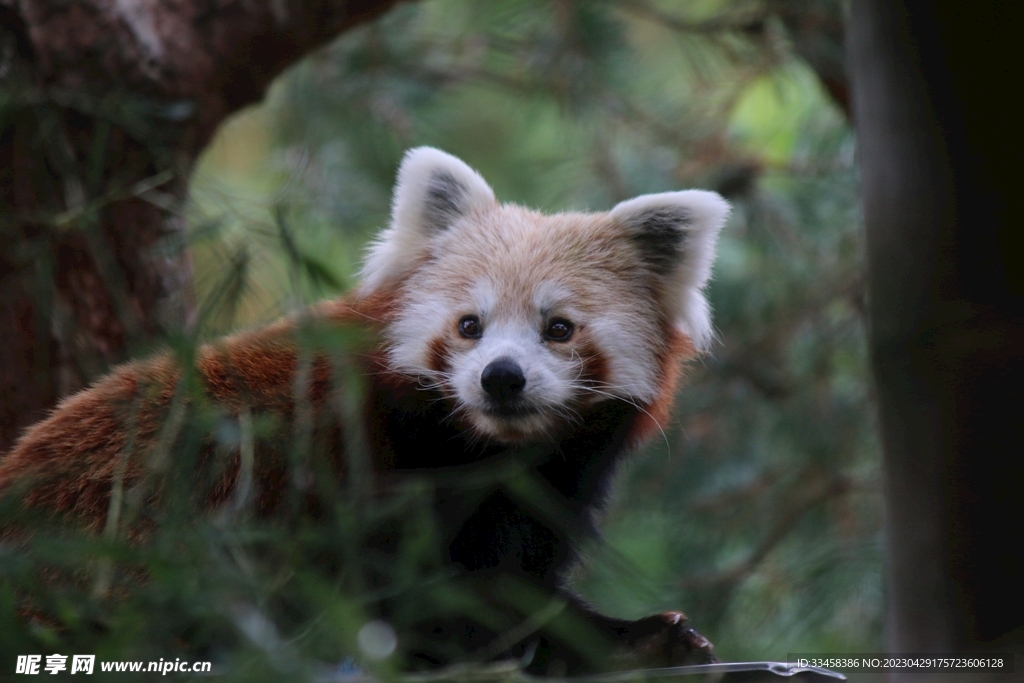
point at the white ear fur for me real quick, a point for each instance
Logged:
(432, 191)
(676, 233)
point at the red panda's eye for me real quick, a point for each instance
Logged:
(469, 327)
(559, 330)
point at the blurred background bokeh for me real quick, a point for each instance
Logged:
(758, 513)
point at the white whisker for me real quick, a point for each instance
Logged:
(626, 398)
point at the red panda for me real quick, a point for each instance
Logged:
(495, 329)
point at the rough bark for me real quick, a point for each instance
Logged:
(104, 106)
(939, 151)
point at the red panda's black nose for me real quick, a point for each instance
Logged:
(503, 379)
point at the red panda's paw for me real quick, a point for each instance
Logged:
(667, 639)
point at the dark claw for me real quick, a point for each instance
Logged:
(665, 640)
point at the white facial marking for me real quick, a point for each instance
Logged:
(483, 298)
(549, 295)
(622, 280)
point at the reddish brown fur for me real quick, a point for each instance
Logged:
(437, 356)
(595, 365)
(67, 462)
(678, 349)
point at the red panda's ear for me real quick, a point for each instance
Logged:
(675, 234)
(433, 190)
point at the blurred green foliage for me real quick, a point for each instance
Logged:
(757, 514)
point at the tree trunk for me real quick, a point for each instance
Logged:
(104, 106)
(939, 157)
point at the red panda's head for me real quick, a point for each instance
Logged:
(524, 319)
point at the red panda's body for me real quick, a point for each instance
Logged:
(494, 332)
